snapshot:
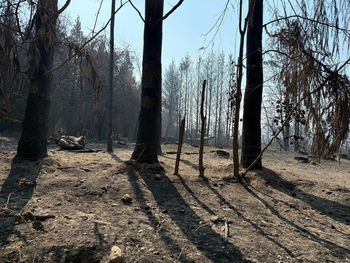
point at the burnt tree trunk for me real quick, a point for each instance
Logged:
(181, 136)
(149, 125)
(201, 146)
(251, 133)
(111, 75)
(286, 132)
(33, 142)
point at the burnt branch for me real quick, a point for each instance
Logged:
(138, 11)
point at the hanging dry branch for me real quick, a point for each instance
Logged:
(321, 86)
(310, 61)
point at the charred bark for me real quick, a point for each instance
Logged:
(251, 133)
(149, 127)
(33, 142)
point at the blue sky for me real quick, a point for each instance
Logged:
(183, 31)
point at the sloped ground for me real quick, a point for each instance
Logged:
(288, 212)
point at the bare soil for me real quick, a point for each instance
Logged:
(289, 211)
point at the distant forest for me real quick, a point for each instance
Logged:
(73, 108)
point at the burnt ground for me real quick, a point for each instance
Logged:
(289, 211)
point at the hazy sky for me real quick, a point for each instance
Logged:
(183, 31)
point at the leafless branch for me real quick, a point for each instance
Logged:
(171, 11)
(137, 11)
(98, 13)
(307, 19)
(87, 42)
(18, 24)
(64, 7)
(217, 24)
(277, 51)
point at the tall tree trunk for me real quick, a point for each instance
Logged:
(201, 146)
(149, 126)
(111, 75)
(33, 142)
(251, 133)
(296, 125)
(296, 122)
(286, 134)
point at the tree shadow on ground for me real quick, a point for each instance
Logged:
(330, 245)
(190, 164)
(18, 189)
(203, 237)
(332, 209)
(115, 157)
(317, 203)
(234, 209)
(321, 204)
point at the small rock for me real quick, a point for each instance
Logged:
(146, 207)
(157, 177)
(37, 225)
(215, 219)
(127, 199)
(116, 255)
(156, 252)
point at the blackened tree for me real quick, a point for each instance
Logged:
(251, 133)
(33, 141)
(149, 125)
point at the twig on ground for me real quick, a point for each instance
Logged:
(8, 201)
(226, 231)
(183, 249)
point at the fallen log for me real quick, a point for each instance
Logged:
(72, 143)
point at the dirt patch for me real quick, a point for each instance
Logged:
(289, 211)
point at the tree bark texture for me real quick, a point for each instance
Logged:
(111, 75)
(33, 142)
(178, 156)
(201, 146)
(251, 133)
(149, 125)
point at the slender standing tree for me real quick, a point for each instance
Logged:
(111, 75)
(149, 126)
(171, 88)
(251, 133)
